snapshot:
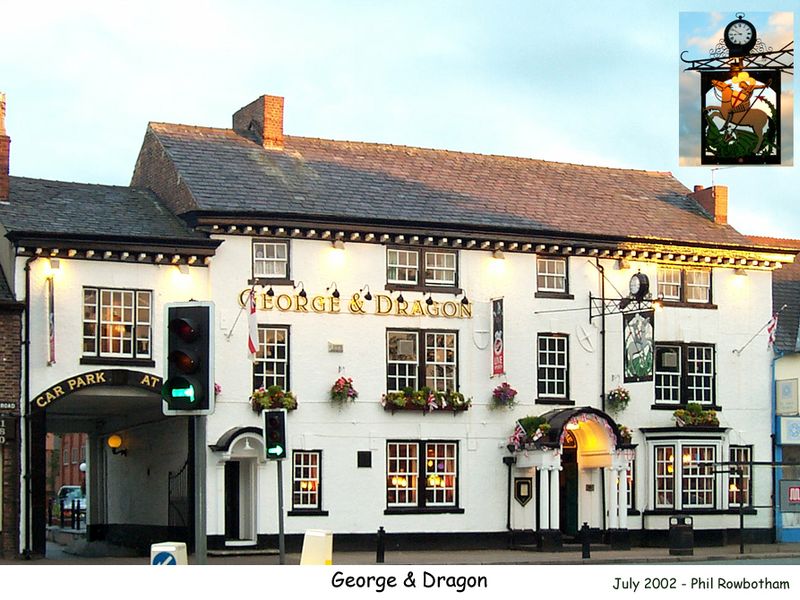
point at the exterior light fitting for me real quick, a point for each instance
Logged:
(498, 254)
(335, 293)
(270, 292)
(739, 271)
(572, 426)
(622, 264)
(338, 244)
(302, 292)
(465, 300)
(114, 442)
(183, 269)
(367, 296)
(429, 301)
(55, 264)
(400, 297)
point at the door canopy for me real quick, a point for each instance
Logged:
(596, 432)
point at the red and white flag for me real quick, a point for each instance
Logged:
(772, 330)
(252, 325)
(518, 436)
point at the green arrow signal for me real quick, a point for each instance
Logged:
(275, 450)
(184, 393)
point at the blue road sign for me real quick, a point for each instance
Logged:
(164, 558)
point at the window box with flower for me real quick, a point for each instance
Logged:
(273, 396)
(426, 400)
(695, 415)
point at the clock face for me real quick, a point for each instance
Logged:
(635, 285)
(740, 33)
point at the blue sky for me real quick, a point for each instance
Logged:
(563, 80)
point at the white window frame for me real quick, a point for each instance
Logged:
(270, 349)
(306, 480)
(698, 475)
(437, 270)
(422, 474)
(668, 283)
(668, 383)
(551, 275)
(435, 365)
(740, 457)
(402, 266)
(117, 318)
(689, 285)
(698, 280)
(696, 483)
(664, 478)
(552, 377)
(270, 259)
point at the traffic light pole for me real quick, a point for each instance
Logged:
(281, 545)
(200, 543)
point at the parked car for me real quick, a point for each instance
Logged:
(67, 494)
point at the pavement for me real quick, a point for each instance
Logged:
(60, 555)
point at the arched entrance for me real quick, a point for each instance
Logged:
(127, 489)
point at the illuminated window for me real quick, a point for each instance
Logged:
(685, 475)
(553, 366)
(684, 285)
(422, 268)
(117, 323)
(739, 482)
(551, 275)
(685, 373)
(435, 367)
(306, 479)
(271, 365)
(270, 260)
(665, 476)
(421, 474)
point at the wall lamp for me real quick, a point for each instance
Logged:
(302, 292)
(738, 271)
(115, 442)
(429, 301)
(335, 293)
(183, 269)
(338, 244)
(367, 296)
(400, 297)
(498, 254)
(270, 292)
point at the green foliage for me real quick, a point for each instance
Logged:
(694, 414)
(532, 424)
(741, 143)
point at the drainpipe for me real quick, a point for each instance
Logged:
(27, 404)
(777, 456)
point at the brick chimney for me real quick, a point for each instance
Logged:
(262, 119)
(5, 145)
(714, 201)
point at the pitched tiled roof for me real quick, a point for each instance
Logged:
(228, 173)
(59, 208)
(785, 292)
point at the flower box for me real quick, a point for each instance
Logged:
(272, 397)
(695, 415)
(425, 400)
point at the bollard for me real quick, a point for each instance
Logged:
(73, 517)
(585, 550)
(61, 514)
(381, 549)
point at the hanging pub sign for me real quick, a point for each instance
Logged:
(637, 343)
(498, 351)
(740, 94)
(740, 117)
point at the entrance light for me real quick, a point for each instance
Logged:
(114, 442)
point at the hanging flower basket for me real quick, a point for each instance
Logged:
(343, 391)
(625, 434)
(272, 397)
(695, 415)
(426, 400)
(504, 396)
(617, 399)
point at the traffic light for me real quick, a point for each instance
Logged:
(275, 433)
(188, 387)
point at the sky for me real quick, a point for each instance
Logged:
(565, 80)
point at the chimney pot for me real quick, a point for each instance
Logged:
(697, 188)
(263, 120)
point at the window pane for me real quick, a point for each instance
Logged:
(739, 478)
(668, 374)
(551, 274)
(305, 480)
(440, 268)
(270, 259)
(669, 283)
(697, 481)
(402, 366)
(402, 266)
(698, 286)
(402, 465)
(271, 362)
(665, 476)
(440, 363)
(440, 474)
(553, 366)
(700, 374)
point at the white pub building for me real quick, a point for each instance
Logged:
(458, 294)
